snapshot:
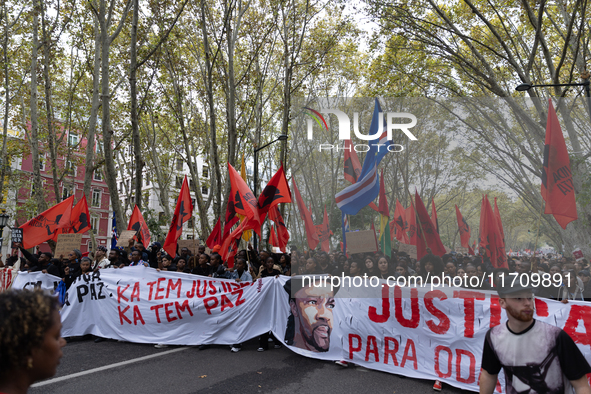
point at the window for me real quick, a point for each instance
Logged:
(95, 222)
(42, 162)
(70, 168)
(96, 198)
(191, 223)
(33, 187)
(190, 236)
(161, 217)
(179, 182)
(204, 190)
(120, 187)
(193, 202)
(128, 185)
(72, 139)
(67, 191)
(179, 164)
(97, 175)
(205, 172)
(191, 184)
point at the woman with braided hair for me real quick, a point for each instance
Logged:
(30, 339)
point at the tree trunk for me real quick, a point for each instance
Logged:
(216, 179)
(135, 132)
(34, 140)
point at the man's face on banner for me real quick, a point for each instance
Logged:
(312, 311)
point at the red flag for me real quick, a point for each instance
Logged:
(500, 238)
(215, 238)
(375, 235)
(399, 220)
(182, 213)
(464, 229)
(306, 216)
(323, 231)
(273, 238)
(434, 216)
(410, 225)
(244, 201)
(428, 229)
(276, 192)
(230, 246)
(282, 233)
(489, 236)
(352, 165)
(557, 181)
(137, 223)
(79, 220)
(231, 218)
(42, 227)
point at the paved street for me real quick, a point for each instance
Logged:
(215, 370)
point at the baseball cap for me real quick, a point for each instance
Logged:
(216, 248)
(510, 288)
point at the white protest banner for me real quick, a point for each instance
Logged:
(7, 275)
(416, 331)
(30, 280)
(139, 304)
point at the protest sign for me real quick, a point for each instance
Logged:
(361, 242)
(17, 235)
(124, 238)
(191, 244)
(66, 243)
(411, 250)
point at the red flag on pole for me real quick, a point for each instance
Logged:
(429, 230)
(230, 246)
(244, 201)
(410, 225)
(273, 238)
(182, 213)
(42, 227)
(324, 233)
(489, 235)
(282, 233)
(557, 181)
(215, 238)
(276, 192)
(352, 165)
(464, 229)
(434, 216)
(306, 216)
(137, 223)
(231, 218)
(79, 220)
(399, 219)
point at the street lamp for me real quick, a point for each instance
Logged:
(281, 137)
(4, 220)
(527, 86)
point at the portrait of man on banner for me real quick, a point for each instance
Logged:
(309, 324)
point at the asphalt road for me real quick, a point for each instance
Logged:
(87, 367)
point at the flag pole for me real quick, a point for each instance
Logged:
(538, 232)
(417, 219)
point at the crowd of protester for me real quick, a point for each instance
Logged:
(556, 277)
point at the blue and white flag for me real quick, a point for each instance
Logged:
(360, 194)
